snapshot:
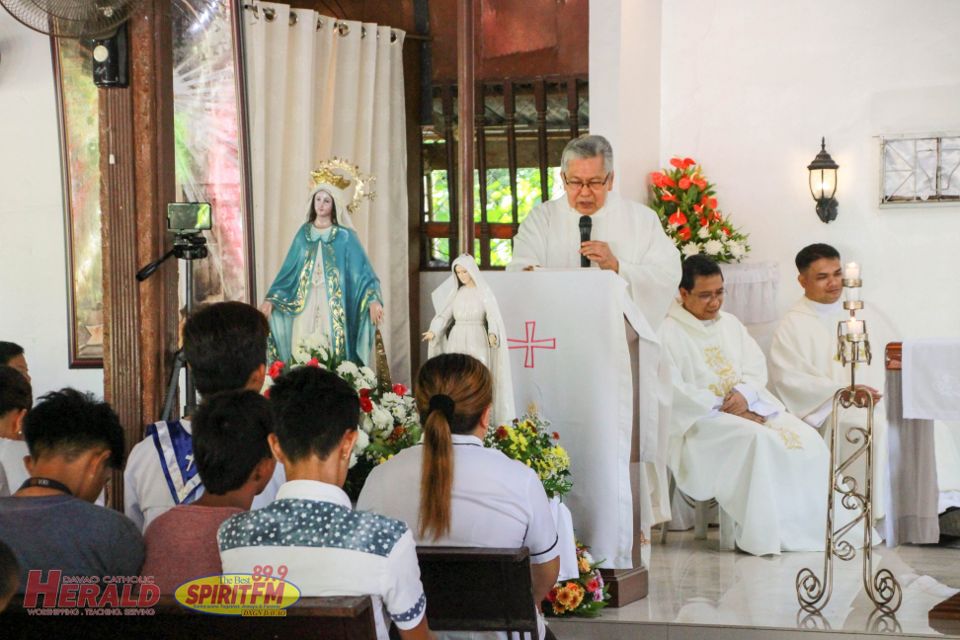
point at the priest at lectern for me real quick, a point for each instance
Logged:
(601, 228)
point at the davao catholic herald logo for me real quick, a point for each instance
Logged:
(241, 594)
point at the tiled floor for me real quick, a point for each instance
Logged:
(693, 585)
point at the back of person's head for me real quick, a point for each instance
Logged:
(697, 266)
(68, 423)
(224, 344)
(313, 409)
(452, 391)
(9, 575)
(9, 351)
(15, 391)
(813, 252)
(230, 433)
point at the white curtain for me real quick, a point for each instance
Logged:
(320, 88)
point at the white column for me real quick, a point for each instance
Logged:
(625, 87)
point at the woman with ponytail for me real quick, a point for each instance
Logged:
(468, 495)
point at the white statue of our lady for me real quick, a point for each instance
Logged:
(468, 321)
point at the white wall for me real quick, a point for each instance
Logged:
(32, 273)
(625, 86)
(748, 87)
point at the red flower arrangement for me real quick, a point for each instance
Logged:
(687, 206)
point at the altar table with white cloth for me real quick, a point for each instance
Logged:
(751, 291)
(570, 334)
(923, 387)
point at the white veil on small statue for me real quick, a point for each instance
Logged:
(468, 321)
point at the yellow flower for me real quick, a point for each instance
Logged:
(582, 565)
(571, 595)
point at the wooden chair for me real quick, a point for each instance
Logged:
(332, 618)
(478, 589)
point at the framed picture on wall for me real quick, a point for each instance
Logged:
(78, 111)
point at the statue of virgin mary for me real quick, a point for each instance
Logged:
(326, 288)
(468, 321)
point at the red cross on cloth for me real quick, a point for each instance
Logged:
(530, 343)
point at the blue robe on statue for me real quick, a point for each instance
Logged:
(351, 286)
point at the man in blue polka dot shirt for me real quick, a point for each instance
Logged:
(327, 548)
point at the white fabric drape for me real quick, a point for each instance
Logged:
(317, 92)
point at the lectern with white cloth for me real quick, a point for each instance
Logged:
(582, 351)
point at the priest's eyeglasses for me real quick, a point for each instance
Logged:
(707, 296)
(593, 185)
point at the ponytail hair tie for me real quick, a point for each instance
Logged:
(443, 403)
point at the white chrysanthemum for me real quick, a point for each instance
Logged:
(399, 413)
(363, 441)
(382, 418)
(690, 249)
(712, 247)
(737, 250)
(704, 233)
(390, 399)
(347, 368)
(366, 423)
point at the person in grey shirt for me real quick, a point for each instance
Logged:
(51, 521)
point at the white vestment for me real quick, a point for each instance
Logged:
(805, 373)
(771, 478)
(649, 262)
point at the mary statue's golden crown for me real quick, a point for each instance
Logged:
(324, 175)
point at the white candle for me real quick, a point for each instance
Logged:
(851, 271)
(854, 327)
(851, 294)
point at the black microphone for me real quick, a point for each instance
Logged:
(585, 225)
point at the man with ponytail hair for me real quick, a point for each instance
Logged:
(328, 548)
(470, 496)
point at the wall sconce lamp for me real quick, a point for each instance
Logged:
(823, 183)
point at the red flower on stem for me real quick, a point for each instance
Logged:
(698, 208)
(400, 389)
(366, 405)
(700, 182)
(684, 183)
(552, 596)
(275, 369)
(684, 233)
(677, 218)
(668, 197)
(556, 436)
(364, 393)
(716, 216)
(712, 203)
(726, 231)
(704, 222)
(313, 362)
(500, 433)
(676, 162)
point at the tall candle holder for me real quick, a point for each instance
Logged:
(853, 348)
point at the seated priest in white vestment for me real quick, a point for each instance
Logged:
(730, 438)
(805, 371)
(624, 236)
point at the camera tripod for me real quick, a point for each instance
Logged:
(187, 246)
